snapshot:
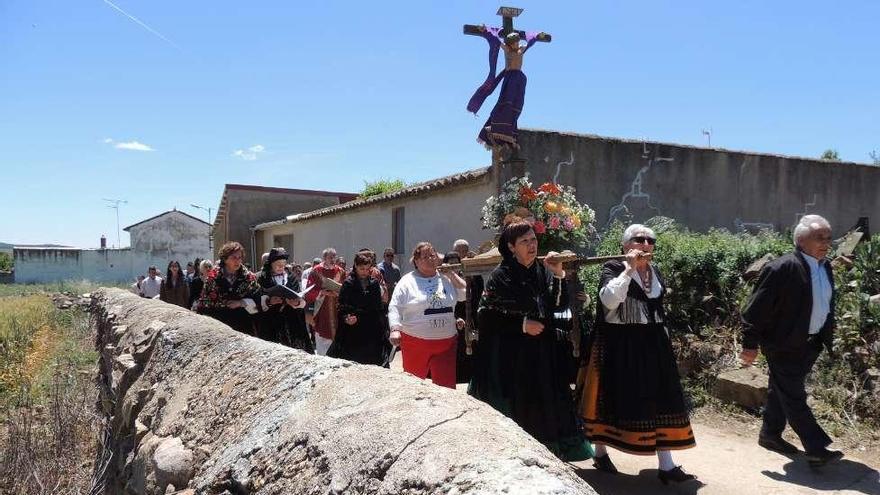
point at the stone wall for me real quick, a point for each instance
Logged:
(190, 403)
(699, 187)
(171, 236)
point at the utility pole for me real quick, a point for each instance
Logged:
(210, 226)
(115, 205)
(708, 134)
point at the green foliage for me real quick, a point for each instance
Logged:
(830, 154)
(707, 293)
(381, 186)
(6, 262)
(703, 271)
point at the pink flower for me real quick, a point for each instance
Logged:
(539, 227)
(568, 224)
(554, 223)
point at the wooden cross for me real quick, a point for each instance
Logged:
(507, 14)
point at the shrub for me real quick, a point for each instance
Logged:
(707, 293)
(381, 186)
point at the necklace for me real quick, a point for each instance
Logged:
(647, 279)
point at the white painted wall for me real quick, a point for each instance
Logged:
(439, 217)
(170, 237)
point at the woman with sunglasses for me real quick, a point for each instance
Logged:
(631, 395)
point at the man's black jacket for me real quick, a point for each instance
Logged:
(777, 315)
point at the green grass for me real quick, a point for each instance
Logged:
(76, 287)
(35, 340)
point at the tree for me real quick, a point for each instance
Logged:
(831, 155)
(875, 157)
(5, 262)
(381, 186)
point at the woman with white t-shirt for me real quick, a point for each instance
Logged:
(422, 319)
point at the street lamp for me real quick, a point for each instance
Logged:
(210, 226)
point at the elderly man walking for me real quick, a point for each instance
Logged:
(791, 316)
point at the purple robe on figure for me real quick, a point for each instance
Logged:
(501, 126)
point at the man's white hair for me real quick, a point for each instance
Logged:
(635, 229)
(206, 265)
(328, 252)
(807, 224)
(460, 243)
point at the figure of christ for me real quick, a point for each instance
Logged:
(500, 129)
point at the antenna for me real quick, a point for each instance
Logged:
(115, 205)
(708, 134)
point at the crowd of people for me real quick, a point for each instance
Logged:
(628, 394)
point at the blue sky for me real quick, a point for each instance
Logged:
(325, 95)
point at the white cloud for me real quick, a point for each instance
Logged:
(108, 140)
(134, 146)
(250, 154)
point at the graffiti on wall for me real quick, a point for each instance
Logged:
(621, 211)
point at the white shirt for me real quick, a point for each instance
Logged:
(150, 286)
(821, 293)
(424, 307)
(304, 279)
(613, 294)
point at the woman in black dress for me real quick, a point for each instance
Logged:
(283, 319)
(517, 367)
(360, 332)
(631, 396)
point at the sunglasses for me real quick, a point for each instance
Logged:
(643, 240)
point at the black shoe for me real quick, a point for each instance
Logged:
(824, 456)
(777, 444)
(604, 463)
(677, 475)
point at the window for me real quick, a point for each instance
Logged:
(397, 226)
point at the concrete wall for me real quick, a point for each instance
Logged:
(700, 187)
(246, 208)
(187, 405)
(99, 265)
(173, 236)
(439, 216)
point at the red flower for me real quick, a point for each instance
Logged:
(527, 194)
(539, 227)
(550, 188)
(554, 222)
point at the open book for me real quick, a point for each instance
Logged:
(286, 292)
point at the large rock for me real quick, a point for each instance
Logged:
(746, 387)
(214, 411)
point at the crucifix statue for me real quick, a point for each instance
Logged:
(500, 129)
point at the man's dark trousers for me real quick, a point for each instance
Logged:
(787, 399)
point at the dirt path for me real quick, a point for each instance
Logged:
(733, 463)
(728, 460)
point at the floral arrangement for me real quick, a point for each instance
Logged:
(559, 220)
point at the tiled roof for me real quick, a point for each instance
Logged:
(413, 190)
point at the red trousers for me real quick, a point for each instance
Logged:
(423, 356)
